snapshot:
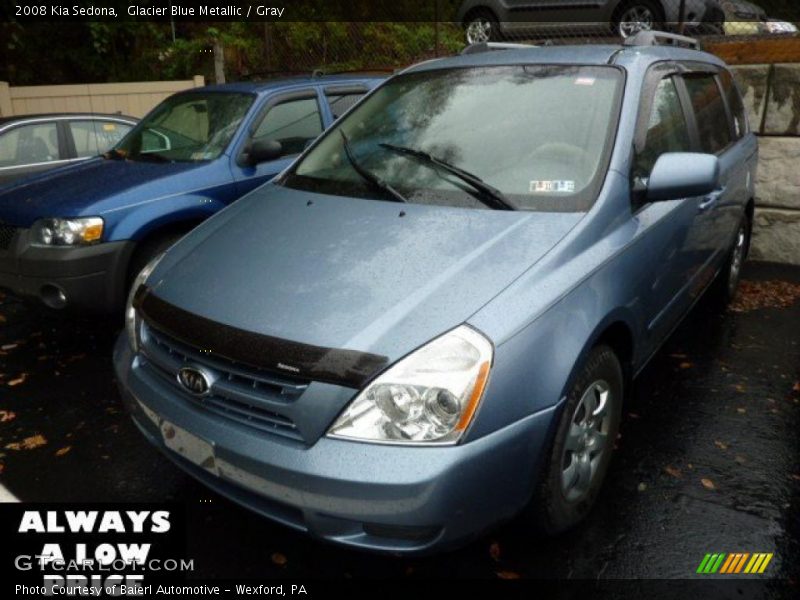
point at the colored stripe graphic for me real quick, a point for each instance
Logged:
(734, 563)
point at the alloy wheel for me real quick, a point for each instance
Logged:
(479, 31)
(635, 19)
(737, 259)
(587, 441)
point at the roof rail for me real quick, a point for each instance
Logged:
(490, 46)
(661, 38)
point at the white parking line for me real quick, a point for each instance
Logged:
(6, 496)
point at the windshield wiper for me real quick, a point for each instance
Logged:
(371, 178)
(495, 197)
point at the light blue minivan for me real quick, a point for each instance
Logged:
(428, 324)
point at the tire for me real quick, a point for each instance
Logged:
(637, 15)
(573, 473)
(482, 26)
(727, 282)
(147, 251)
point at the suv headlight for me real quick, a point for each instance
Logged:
(67, 232)
(429, 397)
(131, 314)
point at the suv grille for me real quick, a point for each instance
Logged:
(7, 233)
(240, 393)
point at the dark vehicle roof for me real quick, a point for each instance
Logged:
(6, 120)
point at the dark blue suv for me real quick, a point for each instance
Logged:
(76, 237)
(429, 322)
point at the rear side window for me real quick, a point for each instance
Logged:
(666, 131)
(341, 103)
(29, 144)
(709, 110)
(735, 104)
(93, 137)
(293, 124)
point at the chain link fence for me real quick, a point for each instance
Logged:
(739, 31)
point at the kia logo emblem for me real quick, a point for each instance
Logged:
(194, 380)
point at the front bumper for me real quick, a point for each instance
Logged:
(87, 279)
(377, 497)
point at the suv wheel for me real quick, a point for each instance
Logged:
(146, 251)
(583, 444)
(481, 27)
(728, 280)
(636, 16)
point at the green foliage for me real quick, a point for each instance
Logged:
(72, 52)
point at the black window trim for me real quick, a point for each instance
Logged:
(272, 102)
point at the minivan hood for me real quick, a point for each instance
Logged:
(346, 273)
(90, 188)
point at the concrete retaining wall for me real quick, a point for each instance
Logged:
(772, 97)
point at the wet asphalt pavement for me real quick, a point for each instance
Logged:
(708, 459)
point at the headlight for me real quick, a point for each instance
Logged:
(67, 232)
(131, 316)
(428, 397)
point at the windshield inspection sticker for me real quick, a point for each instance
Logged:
(550, 187)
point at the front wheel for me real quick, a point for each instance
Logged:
(728, 279)
(584, 441)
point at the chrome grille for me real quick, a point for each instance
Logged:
(7, 233)
(239, 393)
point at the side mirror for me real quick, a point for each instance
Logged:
(683, 175)
(263, 150)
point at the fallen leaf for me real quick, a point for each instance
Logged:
(708, 484)
(796, 386)
(741, 410)
(754, 295)
(740, 460)
(2, 319)
(686, 365)
(6, 416)
(63, 451)
(508, 575)
(18, 380)
(740, 388)
(2, 468)
(641, 487)
(29, 443)
(494, 551)
(672, 471)
(634, 416)
(795, 476)
(8, 347)
(720, 445)
(278, 558)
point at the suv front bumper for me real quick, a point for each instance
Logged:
(385, 498)
(87, 279)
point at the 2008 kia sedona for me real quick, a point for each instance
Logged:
(428, 323)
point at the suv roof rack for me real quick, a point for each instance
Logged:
(661, 38)
(491, 46)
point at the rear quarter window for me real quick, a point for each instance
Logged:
(709, 109)
(735, 104)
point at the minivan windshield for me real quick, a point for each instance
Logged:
(188, 127)
(527, 137)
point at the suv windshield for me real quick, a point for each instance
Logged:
(186, 128)
(535, 137)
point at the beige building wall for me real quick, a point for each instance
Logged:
(134, 99)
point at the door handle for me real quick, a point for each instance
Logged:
(711, 200)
